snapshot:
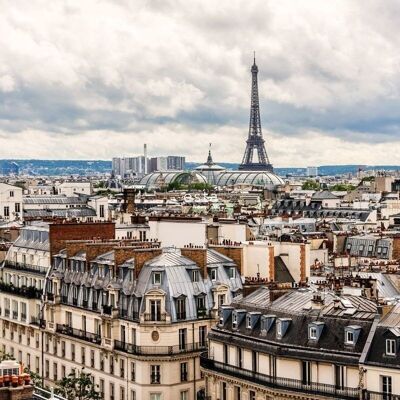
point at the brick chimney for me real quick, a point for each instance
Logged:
(235, 252)
(143, 255)
(198, 256)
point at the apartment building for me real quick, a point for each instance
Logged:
(303, 345)
(10, 202)
(134, 315)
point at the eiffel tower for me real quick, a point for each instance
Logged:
(255, 141)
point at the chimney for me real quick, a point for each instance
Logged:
(197, 255)
(129, 201)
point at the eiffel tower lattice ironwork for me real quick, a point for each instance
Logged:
(255, 141)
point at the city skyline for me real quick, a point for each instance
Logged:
(324, 99)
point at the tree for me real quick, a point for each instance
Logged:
(310, 184)
(78, 387)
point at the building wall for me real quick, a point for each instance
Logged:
(178, 233)
(11, 200)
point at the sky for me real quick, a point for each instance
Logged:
(96, 79)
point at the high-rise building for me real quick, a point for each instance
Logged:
(312, 171)
(176, 163)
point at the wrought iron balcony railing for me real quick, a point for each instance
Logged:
(26, 267)
(78, 333)
(29, 292)
(157, 350)
(295, 385)
(162, 317)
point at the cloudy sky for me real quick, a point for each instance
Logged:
(95, 79)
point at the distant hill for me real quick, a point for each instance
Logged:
(93, 167)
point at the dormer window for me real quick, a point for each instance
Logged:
(390, 347)
(232, 273)
(234, 320)
(279, 328)
(213, 274)
(312, 333)
(157, 278)
(282, 325)
(349, 337)
(195, 276)
(248, 322)
(315, 330)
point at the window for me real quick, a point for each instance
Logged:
(11, 193)
(213, 274)
(232, 273)
(101, 210)
(224, 391)
(133, 372)
(111, 365)
(47, 369)
(185, 395)
(221, 300)
(202, 336)
(252, 395)
(122, 368)
(101, 388)
(112, 394)
(390, 347)
(157, 278)
(339, 376)
(155, 396)
(155, 374)
(312, 333)
(17, 207)
(237, 393)
(55, 375)
(349, 337)
(239, 357)
(248, 320)
(306, 372)
(386, 382)
(72, 352)
(195, 276)
(155, 310)
(6, 211)
(279, 328)
(92, 358)
(68, 318)
(201, 306)
(122, 393)
(254, 361)
(226, 354)
(181, 308)
(83, 356)
(133, 395)
(234, 320)
(182, 339)
(184, 372)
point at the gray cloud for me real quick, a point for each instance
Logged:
(96, 79)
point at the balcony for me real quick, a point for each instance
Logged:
(157, 350)
(368, 395)
(295, 385)
(203, 313)
(7, 313)
(130, 316)
(155, 317)
(107, 310)
(78, 333)
(26, 267)
(29, 292)
(41, 323)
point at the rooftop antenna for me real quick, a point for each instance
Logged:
(254, 55)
